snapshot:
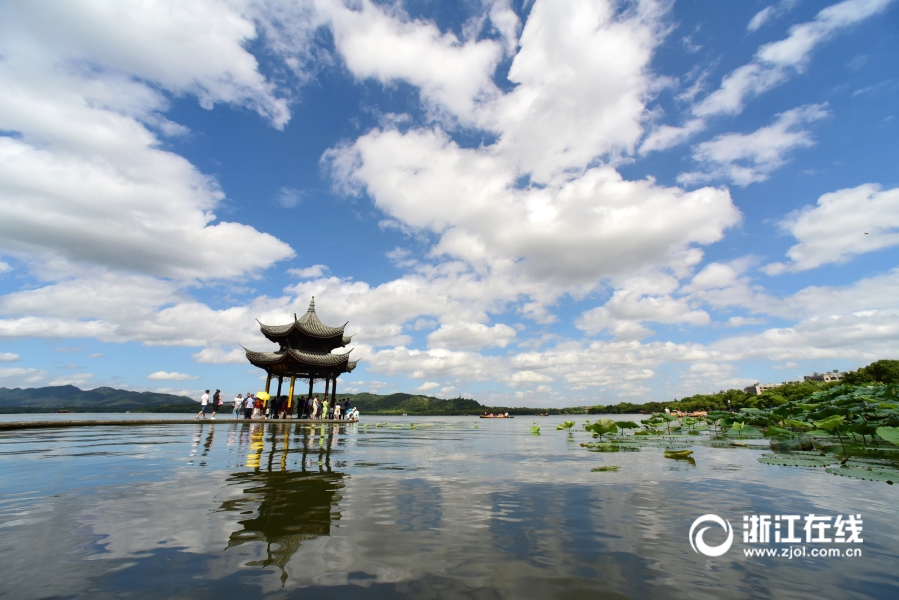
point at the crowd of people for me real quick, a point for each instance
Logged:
(252, 407)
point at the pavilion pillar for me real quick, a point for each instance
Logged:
(293, 380)
(268, 382)
(280, 381)
(311, 382)
(334, 393)
(327, 385)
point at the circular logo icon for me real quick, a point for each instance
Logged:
(700, 546)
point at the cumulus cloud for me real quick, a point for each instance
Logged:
(380, 42)
(427, 385)
(9, 357)
(85, 179)
(219, 355)
(471, 336)
(842, 225)
(639, 300)
(752, 157)
(171, 376)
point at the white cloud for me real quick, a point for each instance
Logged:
(844, 224)
(528, 378)
(473, 336)
(637, 300)
(572, 233)
(312, 272)
(774, 63)
(8, 357)
(220, 356)
(171, 376)
(752, 157)
(85, 179)
(770, 13)
(76, 379)
(22, 377)
(382, 43)
(4, 267)
(667, 136)
(289, 197)
(427, 385)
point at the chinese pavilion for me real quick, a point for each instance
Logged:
(304, 353)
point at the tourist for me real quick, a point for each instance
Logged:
(307, 408)
(325, 408)
(238, 406)
(337, 411)
(315, 406)
(204, 400)
(216, 402)
(284, 407)
(248, 406)
(257, 408)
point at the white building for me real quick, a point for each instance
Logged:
(757, 389)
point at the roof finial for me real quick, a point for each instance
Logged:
(312, 305)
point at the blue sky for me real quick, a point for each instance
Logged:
(529, 203)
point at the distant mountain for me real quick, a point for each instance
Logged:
(107, 399)
(103, 399)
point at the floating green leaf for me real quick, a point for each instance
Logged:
(789, 460)
(606, 469)
(535, 429)
(678, 454)
(890, 476)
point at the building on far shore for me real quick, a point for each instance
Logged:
(757, 389)
(832, 376)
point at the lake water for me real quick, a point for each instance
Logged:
(444, 510)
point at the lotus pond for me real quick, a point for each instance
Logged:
(441, 507)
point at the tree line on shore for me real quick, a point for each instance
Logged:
(881, 371)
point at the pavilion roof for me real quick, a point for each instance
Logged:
(308, 324)
(310, 359)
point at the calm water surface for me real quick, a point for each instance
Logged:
(237, 510)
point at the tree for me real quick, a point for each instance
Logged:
(881, 371)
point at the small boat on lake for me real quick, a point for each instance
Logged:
(500, 416)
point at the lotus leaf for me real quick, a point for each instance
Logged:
(602, 427)
(870, 473)
(830, 423)
(678, 454)
(797, 424)
(890, 434)
(789, 460)
(606, 469)
(772, 430)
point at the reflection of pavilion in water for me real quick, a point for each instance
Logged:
(284, 508)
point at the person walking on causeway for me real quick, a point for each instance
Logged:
(216, 402)
(204, 402)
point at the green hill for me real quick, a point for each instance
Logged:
(103, 399)
(397, 404)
